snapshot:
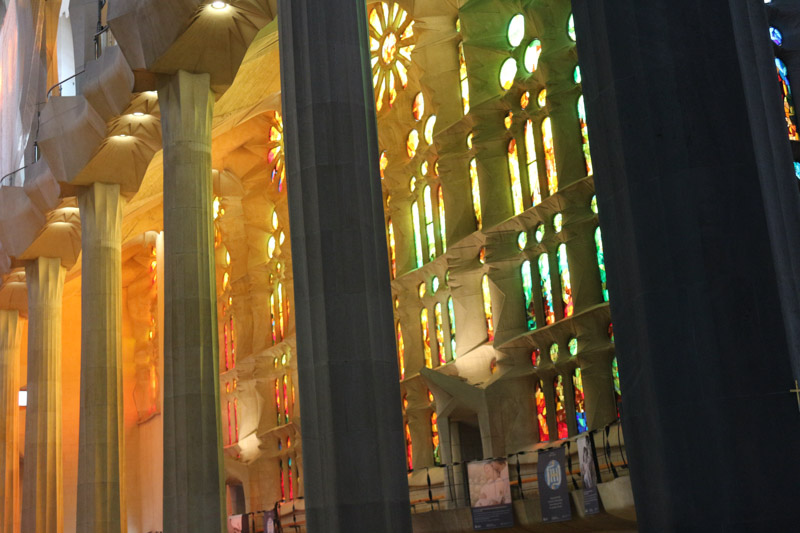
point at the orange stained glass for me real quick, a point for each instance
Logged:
(384, 162)
(225, 346)
(418, 107)
(412, 143)
(392, 249)
(435, 439)
(391, 36)
(549, 156)
(541, 412)
(286, 398)
(442, 226)
(437, 313)
(476, 192)
(230, 432)
(236, 419)
(401, 351)
(516, 181)
(280, 310)
(462, 74)
(272, 318)
(275, 151)
(561, 411)
(587, 155)
(426, 337)
(233, 343)
(278, 400)
(532, 164)
(487, 306)
(408, 448)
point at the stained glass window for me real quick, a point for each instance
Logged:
(516, 181)
(525, 99)
(576, 74)
(536, 357)
(527, 293)
(401, 352)
(417, 233)
(283, 489)
(797, 170)
(539, 232)
(788, 102)
(286, 398)
(452, 319)
(532, 164)
(230, 431)
(412, 143)
(580, 400)
(522, 240)
(532, 54)
(272, 318)
(476, 192)
(291, 485)
(408, 448)
(462, 74)
(573, 346)
(547, 289)
(561, 411)
(617, 389)
(776, 35)
(429, 125)
(383, 163)
(593, 204)
(587, 156)
(275, 152)
(541, 412)
(442, 225)
(392, 248)
(516, 30)
(566, 282)
(426, 338)
(508, 71)
(541, 99)
(601, 263)
(549, 156)
(558, 219)
(280, 311)
(437, 459)
(278, 400)
(437, 314)
(571, 28)
(418, 107)
(554, 352)
(487, 306)
(429, 229)
(391, 33)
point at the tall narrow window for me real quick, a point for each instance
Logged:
(549, 156)
(283, 487)
(225, 346)
(580, 400)
(401, 352)
(408, 448)
(392, 249)
(437, 314)
(280, 311)
(233, 342)
(541, 412)
(601, 263)
(462, 75)
(442, 226)
(527, 294)
(566, 282)
(236, 419)
(561, 411)
(426, 337)
(533, 164)
(587, 156)
(617, 389)
(286, 398)
(429, 230)
(230, 425)
(437, 458)
(451, 315)
(516, 180)
(278, 401)
(272, 318)
(417, 233)
(291, 484)
(476, 192)
(547, 289)
(788, 102)
(487, 306)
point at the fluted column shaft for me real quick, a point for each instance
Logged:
(100, 475)
(193, 488)
(42, 495)
(9, 419)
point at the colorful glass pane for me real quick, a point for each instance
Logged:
(522, 240)
(442, 225)
(487, 306)
(587, 156)
(280, 311)
(426, 338)
(573, 346)
(617, 389)
(541, 99)
(429, 125)
(549, 156)
(536, 357)
(462, 74)
(508, 71)
(539, 233)
(561, 411)
(451, 316)
(541, 412)
(601, 263)
(383, 163)
(576, 74)
(392, 248)
(429, 229)
(532, 164)
(554, 352)
(580, 400)
(391, 33)
(476, 192)
(527, 293)
(593, 204)
(516, 180)
(566, 281)
(417, 233)
(571, 28)
(437, 459)
(788, 101)
(532, 54)
(408, 448)
(547, 289)
(418, 107)
(401, 352)
(272, 318)
(797, 170)
(516, 30)
(437, 314)
(412, 143)
(776, 35)
(558, 222)
(524, 100)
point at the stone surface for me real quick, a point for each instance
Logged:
(355, 472)
(699, 210)
(101, 505)
(42, 492)
(9, 420)
(193, 488)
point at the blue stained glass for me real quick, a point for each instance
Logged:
(797, 169)
(775, 35)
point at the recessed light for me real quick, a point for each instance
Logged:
(121, 135)
(138, 114)
(219, 5)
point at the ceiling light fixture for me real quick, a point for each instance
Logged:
(138, 114)
(219, 5)
(121, 135)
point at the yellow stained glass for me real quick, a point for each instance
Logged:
(476, 192)
(418, 107)
(384, 162)
(391, 40)
(542, 98)
(462, 70)
(429, 125)
(508, 71)
(412, 143)
(437, 313)
(532, 164)
(392, 249)
(549, 156)
(442, 226)
(516, 181)
(426, 338)
(487, 306)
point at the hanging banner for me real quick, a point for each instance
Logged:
(591, 501)
(553, 491)
(490, 494)
(238, 523)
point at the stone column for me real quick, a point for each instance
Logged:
(700, 215)
(9, 420)
(194, 497)
(458, 469)
(42, 495)
(100, 473)
(347, 362)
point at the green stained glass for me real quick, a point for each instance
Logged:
(451, 316)
(516, 30)
(522, 240)
(554, 352)
(547, 289)
(561, 411)
(580, 401)
(566, 282)
(576, 74)
(601, 263)
(593, 205)
(434, 285)
(539, 232)
(429, 229)
(417, 233)
(573, 346)
(527, 293)
(558, 222)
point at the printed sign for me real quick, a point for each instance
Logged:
(553, 490)
(490, 494)
(591, 501)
